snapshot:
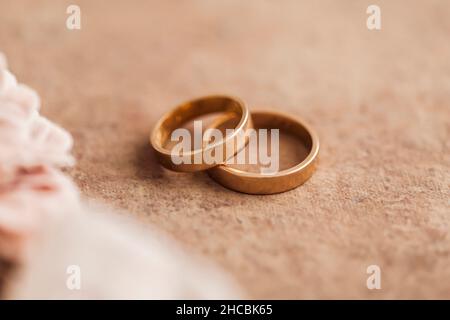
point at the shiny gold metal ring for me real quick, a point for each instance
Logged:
(284, 180)
(190, 110)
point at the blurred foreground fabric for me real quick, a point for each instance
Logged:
(114, 259)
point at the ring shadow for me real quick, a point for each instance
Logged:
(146, 163)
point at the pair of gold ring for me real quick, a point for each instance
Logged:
(233, 178)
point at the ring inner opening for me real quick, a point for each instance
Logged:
(294, 145)
(205, 110)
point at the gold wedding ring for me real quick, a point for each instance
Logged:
(284, 180)
(190, 110)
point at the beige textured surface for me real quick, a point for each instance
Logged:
(379, 100)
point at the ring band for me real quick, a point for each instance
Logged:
(188, 111)
(284, 180)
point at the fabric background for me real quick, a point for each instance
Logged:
(380, 101)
